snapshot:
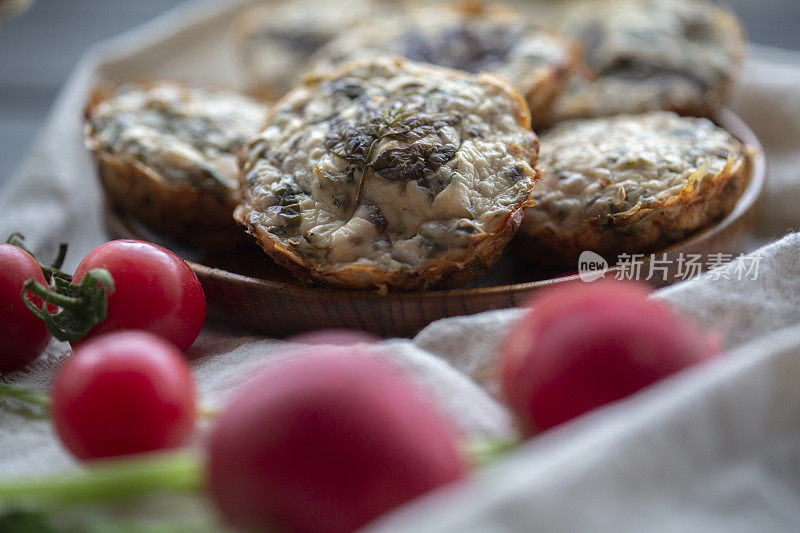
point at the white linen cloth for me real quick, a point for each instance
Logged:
(714, 449)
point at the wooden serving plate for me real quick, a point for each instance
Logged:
(247, 289)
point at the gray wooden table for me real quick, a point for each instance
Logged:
(39, 48)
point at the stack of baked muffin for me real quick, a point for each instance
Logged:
(397, 150)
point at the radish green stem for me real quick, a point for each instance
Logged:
(116, 479)
(43, 400)
(136, 476)
(25, 395)
(483, 451)
(208, 412)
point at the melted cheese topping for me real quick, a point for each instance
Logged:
(595, 167)
(185, 134)
(278, 39)
(389, 162)
(476, 39)
(651, 54)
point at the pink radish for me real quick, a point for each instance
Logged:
(588, 344)
(327, 442)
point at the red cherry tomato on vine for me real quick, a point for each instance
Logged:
(123, 393)
(155, 290)
(23, 335)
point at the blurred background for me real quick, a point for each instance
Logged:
(40, 46)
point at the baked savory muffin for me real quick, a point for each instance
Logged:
(276, 39)
(166, 155)
(468, 36)
(647, 55)
(390, 174)
(629, 184)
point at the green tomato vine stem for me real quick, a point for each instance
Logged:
(48, 295)
(80, 306)
(54, 268)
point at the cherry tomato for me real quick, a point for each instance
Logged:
(585, 345)
(22, 335)
(123, 393)
(327, 442)
(155, 290)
